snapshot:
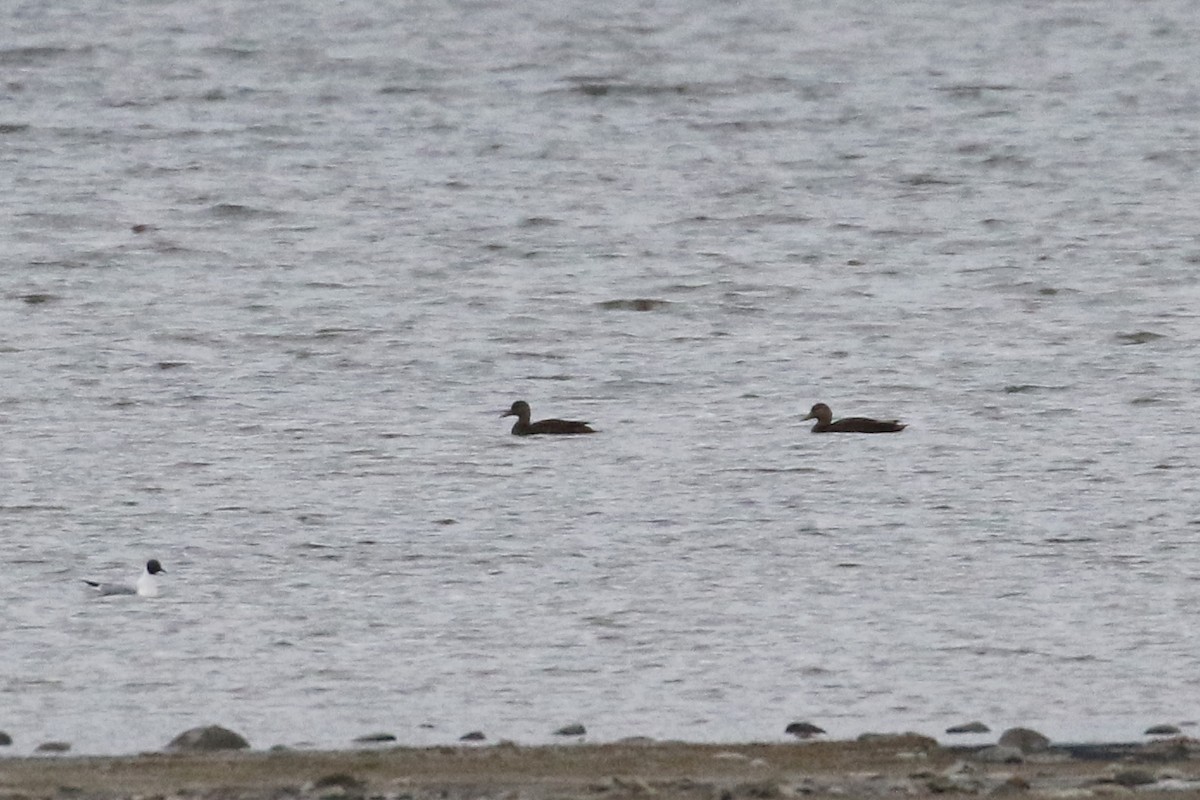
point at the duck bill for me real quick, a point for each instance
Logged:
(810, 416)
(508, 413)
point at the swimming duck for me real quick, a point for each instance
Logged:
(524, 427)
(825, 424)
(146, 586)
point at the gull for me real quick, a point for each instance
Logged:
(146, 586)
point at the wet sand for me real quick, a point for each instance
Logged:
(892, 767)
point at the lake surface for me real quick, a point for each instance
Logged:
(271, 271)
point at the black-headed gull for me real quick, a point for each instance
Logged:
(146, 586)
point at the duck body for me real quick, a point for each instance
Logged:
(826, 423)
(146, 586)
(523, 427)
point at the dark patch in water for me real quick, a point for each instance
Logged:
(1139, 337)
(32, 55)
(1026, 388)
(38, 298)
(236, 211)
(926, 179)
(974, 89)
(400, 90)
(599, 88)
(635, 304)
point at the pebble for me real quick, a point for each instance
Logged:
(206, 739)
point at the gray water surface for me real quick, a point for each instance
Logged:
(372, 226)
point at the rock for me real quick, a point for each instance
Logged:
(1014, 784)
(803, 730)
(1177, 748)
(207, 739)
(1024, 739)
(944, 784)
(999, 754)
(53, 747)
(5, 739)
(969, 727)
(761, 790)
(340, 780)
(472, 736)
(574, 729)
(631, 787)
(374, 738)
(960, 777)
(1162, 730)
(1133, 777)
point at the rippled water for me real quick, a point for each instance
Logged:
(369, 227)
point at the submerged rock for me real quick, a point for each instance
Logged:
(206, 739)
(472, 736)
(574, 729)
(1026, 740)
(5, 739)
(53, 747)
(1162, 730)
(374, 738)
(969, 727)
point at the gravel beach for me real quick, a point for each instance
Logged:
(885, 766)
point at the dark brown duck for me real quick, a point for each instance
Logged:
(826, 424)
(524, 427)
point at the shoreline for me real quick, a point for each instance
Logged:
(906, 765)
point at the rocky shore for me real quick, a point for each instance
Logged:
(903, 765)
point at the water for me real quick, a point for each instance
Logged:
(372, 226)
